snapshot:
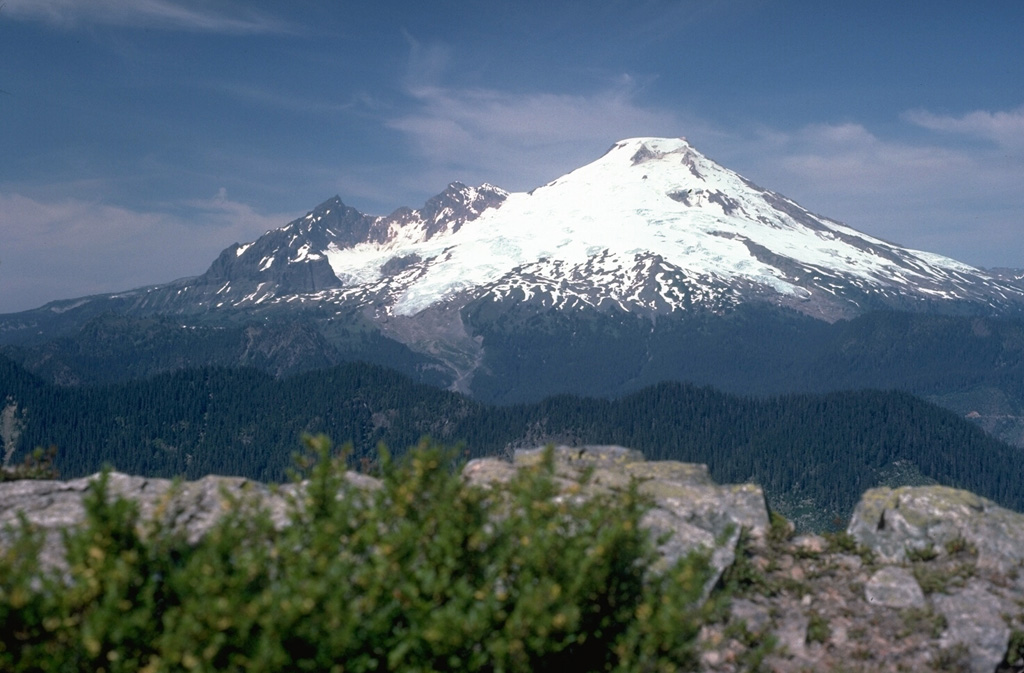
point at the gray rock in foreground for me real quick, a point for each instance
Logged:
(892, 521)
(689, 509)
(977, 557)
(894, 587)
(191, 507)
(936, 581)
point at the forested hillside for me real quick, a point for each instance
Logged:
(967, 364)
(811, 453)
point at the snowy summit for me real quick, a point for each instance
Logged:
(652, 227)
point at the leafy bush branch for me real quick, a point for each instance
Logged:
(425, 573)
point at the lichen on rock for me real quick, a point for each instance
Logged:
(892, 521)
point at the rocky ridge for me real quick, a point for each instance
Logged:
(924, 578)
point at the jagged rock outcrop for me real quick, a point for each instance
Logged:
(926, 578)
(192, 507)
(690, 510)
(689, 506)
(898, 522)
(971, 547)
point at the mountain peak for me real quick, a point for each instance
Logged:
(651, 227)
(457, 205)
(645, 150)
(333, 202)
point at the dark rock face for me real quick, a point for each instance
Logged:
(926, 578)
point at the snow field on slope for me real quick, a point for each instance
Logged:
(623, 208)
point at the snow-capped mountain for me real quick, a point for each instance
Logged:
(652, 263)
(291, 263)
(652, 227)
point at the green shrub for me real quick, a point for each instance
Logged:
(961, 546)
(425, 573)
(922, 620)
(941, 579)
(818, 629)
(101, 611)
(954, 658)
(36, 465)
(1015, 652)
(840, 543)
(922, 554)
(843, 542)
(780, 530)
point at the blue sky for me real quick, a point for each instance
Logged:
(141, 137)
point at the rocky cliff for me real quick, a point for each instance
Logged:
(925, 578)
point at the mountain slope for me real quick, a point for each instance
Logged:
(655, 227)
(651, 263)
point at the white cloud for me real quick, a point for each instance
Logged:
(427, 62)
(519, 141)
(166, 14)
(515, 140)
(70, 248)
(850, 159)
(1005, 129)
(223, 218)
(960, 201)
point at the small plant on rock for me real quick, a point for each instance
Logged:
(922, 554)
(818, 629)
(954, 659)
(1014, 659)
(780, 529)
(922, 620)
(940, 579)
(36, 465)
(841, 543)
(961, 546)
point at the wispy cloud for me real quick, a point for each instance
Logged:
(291, 102)
(516, 140)
(215, 17)
(508, 138)
(1005, 129)
(850, 159)
(962, 201)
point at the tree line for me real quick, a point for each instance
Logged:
(821, 449)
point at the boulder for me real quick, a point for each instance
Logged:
(690, 511)
(873, 606)
(894, 587)
(974, 619)
(890, 521)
